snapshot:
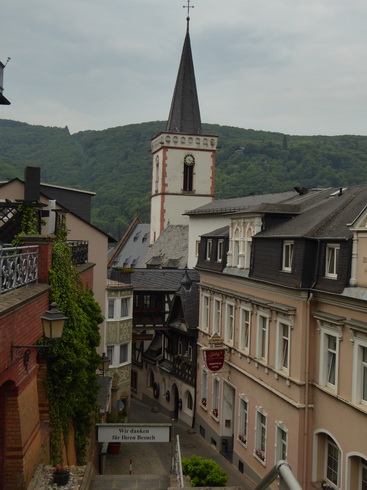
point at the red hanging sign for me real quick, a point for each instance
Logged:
(214, 358)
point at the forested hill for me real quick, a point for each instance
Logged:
(116, 163)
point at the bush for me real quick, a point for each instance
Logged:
(204, 472)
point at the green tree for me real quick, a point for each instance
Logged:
(204, 472)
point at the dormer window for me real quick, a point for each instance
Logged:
(332, 261)
(287, 260)
(241, 234)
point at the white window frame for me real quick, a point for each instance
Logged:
(359, 371)
(111, 308)
(179, 348)
(287, 259)
(326, 354)
(262, 346)
(243, 414)
(128, 356)
(110, 349)
(245, 328)
(205, 312)
(229, 323)
(332, 260)
(208, 249)
(330, 443)
(217, 315)
(128, 300)
(281, 341)
(260, 434)
(281, 445)
(220, 249)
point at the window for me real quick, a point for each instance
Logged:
(330, 360)
(262, 337)
(281, 438)
(245, 316)
(243, 423)
(363, 478)
(205, 312)
(111, 308)
(215, 409)
(209, 245)
(188, 177)
(220, 249)
(110, 354)
(125, 307)
(260, 428)
(197, 245)
(331, 330)
(189, 352)
(360, 371)
(217, 315)
(283, 350)
(332, 261)
(332, 462)
(146, 301)
(179, 350)
(287, 256)
(229, 327)
(124, 353)
(204, 387)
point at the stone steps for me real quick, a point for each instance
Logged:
(114, 482)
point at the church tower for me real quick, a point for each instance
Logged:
(183, 158)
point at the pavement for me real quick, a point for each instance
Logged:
(153, 460)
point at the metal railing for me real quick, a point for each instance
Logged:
(18, 266)
(177, 466)
(283, 472)
(79, 251)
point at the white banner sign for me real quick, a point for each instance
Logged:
(134, 432)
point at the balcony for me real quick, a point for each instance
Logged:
(79, 251)
(18, 266)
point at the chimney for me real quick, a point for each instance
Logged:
(32, 183)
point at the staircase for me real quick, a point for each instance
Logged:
(142, 482)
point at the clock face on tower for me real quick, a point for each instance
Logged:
(189, 160)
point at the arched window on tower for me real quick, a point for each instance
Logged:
(188, 177)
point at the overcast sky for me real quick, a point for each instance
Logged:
(293, 66)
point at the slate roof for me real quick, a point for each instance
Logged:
(170, 249)
(220, 232)
(160, 279)
(189, 298)
(184, 116)
(239, 204)
(133, 246)
(323, 215)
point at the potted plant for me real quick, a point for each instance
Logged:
(260, 454)
(215, 412)
(327, 486)
(242, 438)
(203, 402)
(61, 475)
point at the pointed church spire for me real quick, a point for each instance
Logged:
(184, 115)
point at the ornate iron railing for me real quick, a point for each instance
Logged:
(18, 266)
(79, 251)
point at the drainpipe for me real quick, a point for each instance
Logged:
(307, 366)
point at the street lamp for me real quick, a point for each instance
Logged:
(104, 363)
(53, 322)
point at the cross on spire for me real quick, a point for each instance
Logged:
(188, 7)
